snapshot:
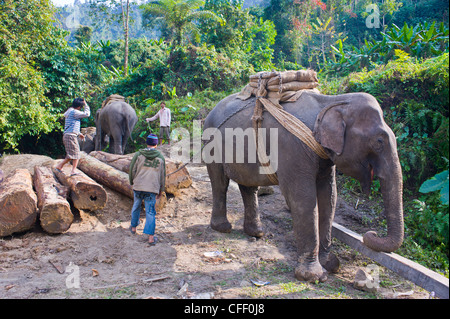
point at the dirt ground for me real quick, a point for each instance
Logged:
(99, 258)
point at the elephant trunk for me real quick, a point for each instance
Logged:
(391, 188)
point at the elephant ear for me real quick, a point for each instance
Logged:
(329, 129)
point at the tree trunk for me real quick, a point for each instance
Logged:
(54, 210)
(86, 194)
(111, 177)
(18, 203)
(121, 162)
(176, 176)
(126, 18)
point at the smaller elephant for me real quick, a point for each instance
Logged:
(116, 120)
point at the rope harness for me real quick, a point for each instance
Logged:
(270, 89)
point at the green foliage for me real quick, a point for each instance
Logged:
(179, 15)
(22, 101)
(83, 34)
(422, 41)
(26, 33)
(239, 35)
(234, 32)
(427, 232)
(438, 182)
(63, 78)
(261, 54)
(185, 68)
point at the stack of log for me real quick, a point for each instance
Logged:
(21, 206)
(177, 176)
(280, 86)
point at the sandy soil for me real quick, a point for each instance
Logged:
(107, 261)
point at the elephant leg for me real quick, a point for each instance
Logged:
(326, 199)
(118, 145)
(252, 222)
(219, 186)
(302, 202)
(111, 145)
(115, 143)
(124, 143)
(118, 148)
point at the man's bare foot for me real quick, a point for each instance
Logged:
(152, 240)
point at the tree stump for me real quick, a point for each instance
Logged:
(85, 193)
(54, 210)
(112, 177)
(18, 203)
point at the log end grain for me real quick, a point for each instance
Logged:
(176, 177)
(17, 214)
(56, 218)
(18, 203)
(88, 196)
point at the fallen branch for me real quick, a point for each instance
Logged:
(149, 280)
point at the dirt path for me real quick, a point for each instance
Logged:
(99, 253)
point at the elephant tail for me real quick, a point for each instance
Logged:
(130, 122)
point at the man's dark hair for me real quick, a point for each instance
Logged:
(78, 102)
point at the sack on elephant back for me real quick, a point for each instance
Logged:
(112, 98)
(285, 76)
(278, 87)
(288, 86)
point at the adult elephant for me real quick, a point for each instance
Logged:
(117, 120)
(351, 129)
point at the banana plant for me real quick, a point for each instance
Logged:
(438, 182)
(421, 41)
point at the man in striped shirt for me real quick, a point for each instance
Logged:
(72, 126)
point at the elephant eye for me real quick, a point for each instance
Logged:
(378, 144)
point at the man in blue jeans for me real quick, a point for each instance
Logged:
(147, 175)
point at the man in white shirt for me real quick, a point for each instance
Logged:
(164, 122)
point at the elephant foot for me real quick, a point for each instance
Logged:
(253, 229)
(330, 262)
(223, 226)
(310, 272)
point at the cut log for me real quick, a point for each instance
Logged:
(111, 177)
(18, 203)
(121, 162)
(54, 209)
(85, 193)
(177, 177)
